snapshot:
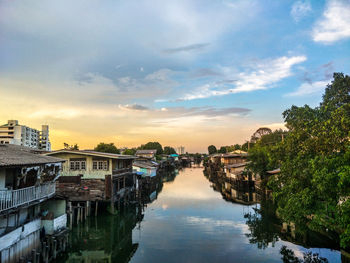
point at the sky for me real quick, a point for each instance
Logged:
(184, 72)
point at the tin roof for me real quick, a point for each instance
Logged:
(15, 155)
(93, 153)
(146, 152)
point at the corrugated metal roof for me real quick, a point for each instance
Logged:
(15, 155)
(146, 151)
(94, 153)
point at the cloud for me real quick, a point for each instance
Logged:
(263, 75)
(300, 9)
(309, 89)
(135, 107)
(204, 72)
(335, 23)
(193, 47)
(184, 112)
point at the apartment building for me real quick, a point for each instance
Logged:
(180, 150)
(14, 133)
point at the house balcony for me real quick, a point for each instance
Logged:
(10, 199)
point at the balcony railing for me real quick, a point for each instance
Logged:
(15, 198)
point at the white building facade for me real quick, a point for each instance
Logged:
(14, 133)
(180, 150)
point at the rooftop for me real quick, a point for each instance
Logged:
(93, 153)
(15, 155)
(144, 165)
(146, 151)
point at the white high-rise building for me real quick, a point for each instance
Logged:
(180, 150)
(13, 133)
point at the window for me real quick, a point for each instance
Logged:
(72, 165)
(100, 165)
(77, 164)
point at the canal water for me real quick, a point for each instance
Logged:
(187, 220)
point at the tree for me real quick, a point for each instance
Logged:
(259, 133)
(212, 149)
(169, 150)
(129, 151)
(223, 149)
(313, 188)
(70, 147)
(152, 146)
(106, 148)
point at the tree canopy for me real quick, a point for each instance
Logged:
(223, 149)
(313, 188)
(212, 149)
(70, 147)
(106, 148)
(152, 146)
(129, 151)
(169, 150)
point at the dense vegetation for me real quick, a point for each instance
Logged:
(106, 148)
(313, 188)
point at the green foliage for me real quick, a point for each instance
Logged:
(106, 148)
(263, 156)
(313, 187)
(212, 149)
(152, 146)
(223, 149)
(70, 147)
(129, 151)
(169, 150)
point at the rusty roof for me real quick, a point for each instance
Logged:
(94, 153)
(15, 155)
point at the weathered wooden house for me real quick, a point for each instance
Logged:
(96, 176)
(229, 158)
(27, 210)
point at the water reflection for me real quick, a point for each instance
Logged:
(183, 220)
(104, 238)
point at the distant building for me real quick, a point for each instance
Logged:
(149, 154)
(180, 150)
(14, 133)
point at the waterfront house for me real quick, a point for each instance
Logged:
(96, 176)
(233, 170)
(149, 154)
(149, 169)
(27, 186)
(234, 158)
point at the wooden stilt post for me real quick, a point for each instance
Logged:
(96, 208)
(54, 254)
(34, 256)
(88, 206)
(70, 215)
(112, 195)
(86, 210)
(78, 213)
